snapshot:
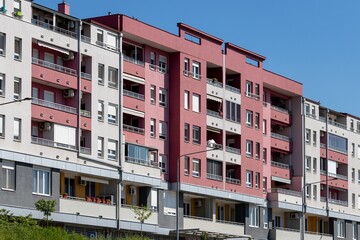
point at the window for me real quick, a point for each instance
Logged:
(113, 77)
(353, 174)
(152, 94)
(163, 163)
(358, 127)
(232, 111)
(41, 182)
(352, 149)
(352, 124)
(264, 126)
(257, 150)
(8, 175)
(313, 114)
(249, 178)
(265, 217)
(277, 221)
(358, 175)
(152, 61)
(254, 216)
(249, 118)
(2, 84)
(17, 49)
(162, 97)
(354, 231)
(186, 132)
(308, 191)
(17, 129)
(337, 143)
(314, 164)
(111, 41)
(186, 100)
(17, 6)
(341, 229)
(214, 169)
(70, 186)
(186, 165)
(353, 200)
(196, 134)
(314, 191)
(192, 38)
(314, 138)
(196, 102)
(112, 113)
(17, 88)
(100, 147)
(162, 64)
(100, 37)
(101, 74)
(249, 88)
(2, 126)
(264, 184)
(307, 136)
(257, 120)
(196, 167)
(101, 110)
(257, 91)
(152, 127)
(307, 163)
(162, 130)
(196, 70)
(264, 155)
(257, 180)
(186, 66)
(112, 149)
(249, 148)
(2, 44)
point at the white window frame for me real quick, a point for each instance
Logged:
(112, 119)
(249, 118)
(39, 173)
(196, 70)
(163, 130)
(17, 88)
(249, 148)
(249, 86)
(2, 84)
(186, 165)
(186, 66)
(307, 163)
(152, 127)
(162, 97)
(307, 136)
(162, 64)
(152, 64)
(341, 228)
(196, 167)
(100, 151)
(265, 218)
(101, 74)
(163, 163)
(186, 100)
(152, 94)
(17, 129)
(100, 110)
(186, 132)
(17, 52)
(2, 126)
(3, 43)
(112, 149)
(254, 216)
(113, 80)
(249, 178)
(196, 134)
(8, 167)
(196, 102)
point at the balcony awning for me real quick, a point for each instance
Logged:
(212, 129)
(217, 99)
(279, 179)
(134, 79)
(95, 180)
(53, 47)
(133, 112)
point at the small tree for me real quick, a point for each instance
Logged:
(46, 207)
(141, 214)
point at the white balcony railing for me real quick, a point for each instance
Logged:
(337, 124)
(134, 61)
(285, 191)
(107, 46)
(233, 180)
(85, 39)
(279, 109)
(53, 105)
(232, 89)
(280, 137)
(53, 28)
(338, 176)
(213, 113)
(214, 177)
(85, 150)
(51, 143)
(85, 113)
(214, 82)
(141, 162)
(54, 66)
(232, 150)
(280, 165)
(133, 94)
(133, 129)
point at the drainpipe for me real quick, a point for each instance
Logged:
(303, 195)
(79, 26)
(327, 168)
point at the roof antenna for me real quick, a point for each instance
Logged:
(109, 13)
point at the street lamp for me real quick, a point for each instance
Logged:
(16, 100)
(213, 146)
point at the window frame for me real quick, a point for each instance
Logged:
(37, 191)
(196, 134)
(6, 168)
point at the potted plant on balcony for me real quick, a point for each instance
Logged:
(88, 198)
(65, 195)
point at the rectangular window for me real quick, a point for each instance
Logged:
(17, 49)
(163, 163)
(257, 180)
(264, 155)
(232, 111)
(308, 191)
(314, 164)
(358, 175)
(353, 200)
(186, 66)
(338, 143)
(100, 37)
(307, 163)
(17, 6)
(314, 191)
(313, 113)
(214, 169)
(101, 110)
(111, 41)
(2, 44)
(196, 134)
(257, 120)
(341, 228)
(196, 70)
(257, 91)
(314, 138)
(186, 165)
(162, 97)
(41, 182)
(162, 130)
(152, 94)
(152, 61)
(249, 178)
(100, 147)
(113, 77)
(101, 74)
(254, 216)
(354, 231)
(8, 175)
(307, 109)
(307, 136)
(257, 150)
(112, 149)
(249, 118)
(265, 217)
(264, 184)
(2, 126)
(358, 151)
(2, 84)
(17, 129)
(195, 102)
(196, 167)
(186, 100)
(112, 113)
(264, 126)
(17, 88)
(162, 64)
(353, 174)
(352, 124)
(249, 148)
(152, 127)
(186, 132)
(249, 88)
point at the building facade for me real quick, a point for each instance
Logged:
(121, 112)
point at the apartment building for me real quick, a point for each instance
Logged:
(121, 114)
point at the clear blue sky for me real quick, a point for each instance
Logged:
(314, 42)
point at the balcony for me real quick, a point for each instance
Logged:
(280, 114)
(133, 129)
(279, 197)
(54, 28)
(86, 76)
(54, 66)
(85, 113)
(214, 82)
(127, 214)
(107, 46)
(133, 94)
(85, 150)
(85, 39)
(214, 177)
(338, 156)
(280, 172)
(141, 162)
(280, 142)
(335, 201)
(232, 150)
(233, 181)
(232, 89)
(53, 105)
(337, 124)
(51, 143)
(214, 113)
(341, 181)
(134, 61)
(79, 206)
(287, 233)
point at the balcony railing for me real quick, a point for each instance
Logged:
(340, 125)
(133, 129)
(133, 94)
(280, 165)
(337, 149)
(232, 150)
(232, 89)
(107, 46)
(133, 60)
(279, 109)
(54, 66)
(86, 76)
(338, 176)
(285, 191)
(85, 39)
(334, 201)
(281, 137)
(85, 113)
(213, 113)
(85, 150)
(51, 143)
(323, 145)
(53, 105)
(214, 82)
(157, 68)
(141, 162)
(53, 28)
(233, 180)
(214, 177)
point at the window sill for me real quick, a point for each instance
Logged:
(8, 189)
(100, 84)
(113, 87)
(101, 120)
(114, 124)
(17, 140)
(18, 60)
(249, 186)
(253, 226)
(41, 194)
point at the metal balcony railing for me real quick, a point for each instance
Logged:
(54, 66)
(281, 137)
(338, 202)
(107, 46)
(338, 176)
(86, 76)
(133, 60)
(232, 150)
(214, 176)
(85, 113)
(233, 180)
(54, 28)
(285, 191)
(133, 94)
(85, 150)
(85, 39)
(51, 143)
(279, 109)
(213, 113)
(232, 89)
(141, 162)
(340, 125)
(280, 165)
(133, 129)
(53, 105)
(214, 82)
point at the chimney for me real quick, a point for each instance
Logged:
(64, 8)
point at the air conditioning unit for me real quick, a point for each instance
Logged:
(16, 56)
(198, 203)
(68, 93)
(294, 215)
(69, 56)
(45, 126)
(83, 182)
(132, 190)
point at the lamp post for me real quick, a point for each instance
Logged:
(213, 146)
(16, 100)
